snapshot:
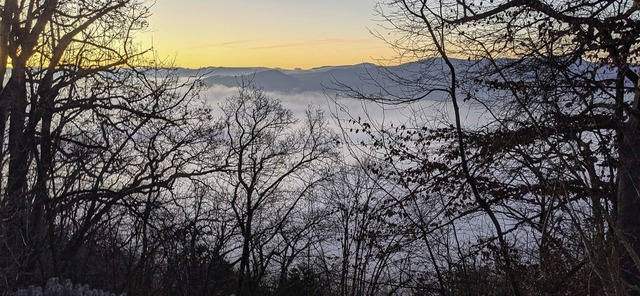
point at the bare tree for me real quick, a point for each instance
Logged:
(275, 161)
(367, 239)
(86, 136)
(551, 156)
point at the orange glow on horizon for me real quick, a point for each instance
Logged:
(266, 33)
(303, 54)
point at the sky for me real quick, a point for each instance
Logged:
(285, 34)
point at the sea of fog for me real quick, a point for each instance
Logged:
(335, 90)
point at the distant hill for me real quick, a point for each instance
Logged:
(365, 77)
(407, 80)
(268, 79)
(317, 79)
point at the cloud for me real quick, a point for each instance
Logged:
(238, 44)
(314, 43)
(341, 109)
(295, 101)
(227, 44)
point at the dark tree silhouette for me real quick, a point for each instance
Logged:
(275, 161)
(86, 137)
(554, 151)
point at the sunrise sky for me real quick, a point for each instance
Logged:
(273, 33)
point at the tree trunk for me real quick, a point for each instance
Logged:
(629, 199)
(16, 209)
(245, 275)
